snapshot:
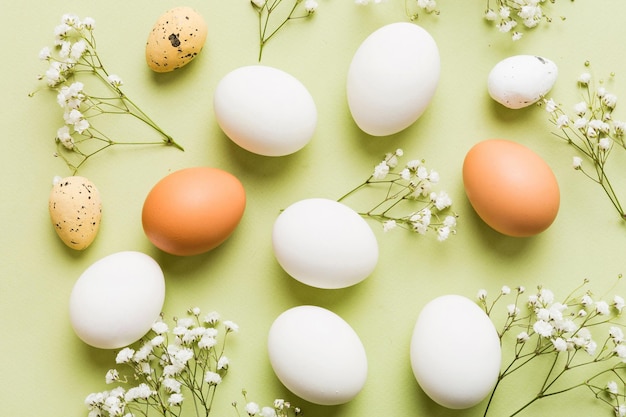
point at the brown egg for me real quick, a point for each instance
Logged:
(193, 210)
(511, 188)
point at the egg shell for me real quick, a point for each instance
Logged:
(176, 39)
(455, 352)
(265, 110)
(317, 355)
(392, 78)
(117, 299)
(510, 187)
(521, 80)
(193, 210)
(75, 210)
(324, 244)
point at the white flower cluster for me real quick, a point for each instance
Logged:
(413, 184)
(74, 55)
(544, 326)
(280, 408)
(590, 127)
(167, 366)
(507, 14)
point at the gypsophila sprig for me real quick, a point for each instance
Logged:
(279, 408)
(515, 16)
(563, 338)
(171, 369)
(274, 14)
(413, 8)
(410, 187)
(590, 127)
(87, 92)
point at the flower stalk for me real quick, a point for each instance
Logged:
(591, 129)
(411, 186)
(566, 334)
(271, 20)
(87, 91)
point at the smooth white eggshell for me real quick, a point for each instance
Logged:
(117, 299)
(455, 352)
(317, 355)
(324, 244)
(521, 80)
(265, 110)
(392, 78)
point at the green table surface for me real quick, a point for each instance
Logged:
(48, 371)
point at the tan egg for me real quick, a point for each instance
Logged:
(75, 211)
(176, 38)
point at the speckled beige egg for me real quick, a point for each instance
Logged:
(75, 210)
(176, 38)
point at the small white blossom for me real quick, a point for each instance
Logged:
(611, 387)
(211, 318)
(310, 6)
(267, 412)
(604, 144)
(618, 303)
(505, 290)
(523, 337)
(577, 162)
(543, 328)
(115, 80)
(584, 78)
(212, 378)
(580, 108)
(551, 106)
(586, 300)
(172, 385)
(142, 391)
(223, 363)
(259, 3)
(443, 233)
(175, 399)
(231, 326)
(490, 15)
(124, 355)
(560, 345)
(252, 408)
(562, 121)
(620, 411)
(482, 295)
(389, 225)
(111, 376)
(512, 310)
(602, 308)
(616, 334)
(620, 351)
(380, 171)
(609, 100)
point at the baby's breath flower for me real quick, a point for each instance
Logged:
(618, 303)
(124, 355)
(231, 326)
(72, 58)
(112, 376)
(557, 329)
(411, 185)
(212, 378)
(252, 408)
(594, 133)
(175, 399)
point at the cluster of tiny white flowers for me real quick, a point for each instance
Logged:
(74, 54)
(166, 365)
(507, 15)
(268, 26)
(280, 408)
(412, 184)
(544, 326)
(590, 127)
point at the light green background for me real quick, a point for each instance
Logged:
(47, 371)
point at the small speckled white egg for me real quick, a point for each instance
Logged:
(265, 110)
(455, 352)
(117, 299)
(75, 211)
(324, 244)
(317, 355)
(521, 80)
(392, 78)
(176, 39)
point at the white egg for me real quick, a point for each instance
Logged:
(317, 355)
(392, 78)
(521, 80)
(265, 110)
(117, 299)
(455, 352)
(324, 244)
